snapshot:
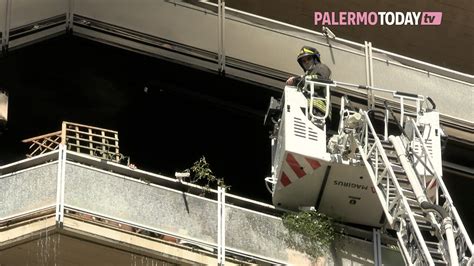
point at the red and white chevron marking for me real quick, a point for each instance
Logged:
(295, 167)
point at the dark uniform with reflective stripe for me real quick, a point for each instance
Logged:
(317, 71)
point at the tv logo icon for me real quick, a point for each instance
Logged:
(431, 18)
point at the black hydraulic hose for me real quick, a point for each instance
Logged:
(432, 102)
(373, 111)
(430, 206)
(394, 118)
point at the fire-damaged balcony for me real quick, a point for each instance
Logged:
(67, 201)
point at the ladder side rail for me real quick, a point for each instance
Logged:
(389, 207)
(342, 111)
(389, 211)
(393, 212)
(311, 95)
(381, 152)
(449, 206)
(405, 253)
(366, 138)
(408, 230)
(453, 250)
(377, 148)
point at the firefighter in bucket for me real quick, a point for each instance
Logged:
(310, 60)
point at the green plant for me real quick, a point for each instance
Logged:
(202, 173)
(309, 232)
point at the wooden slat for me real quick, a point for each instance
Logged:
(77, 139)
(88, 148)
(94, 141)
(90, 142)
(86, 133)
(55, 141)
(43, 145)
(37, 148)
(96, 128)
(104, 143)
(95, 149)
(117, 149)
(57, 133)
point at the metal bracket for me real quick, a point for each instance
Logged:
(221, 36)
(6, 26)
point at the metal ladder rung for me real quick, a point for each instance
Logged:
(414, 202)
(431, 243)
(435, 252)
(404, 190)
(425, 226)
(419, 214)
(440, 262)
(398, 171)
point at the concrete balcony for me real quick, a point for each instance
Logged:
(61, 205)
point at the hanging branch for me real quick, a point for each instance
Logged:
(202, 173)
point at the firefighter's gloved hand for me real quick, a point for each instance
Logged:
(290, 81)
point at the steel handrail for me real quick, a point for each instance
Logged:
(344, 41)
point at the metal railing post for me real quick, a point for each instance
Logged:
(6, 26)
(223, 230)
(63, 183)
(377, 247)
(221, 36)
(58, 184)
(220, 225)
(59, 213)
(70, 16)
(369, 74)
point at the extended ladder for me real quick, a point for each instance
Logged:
(406, 175)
